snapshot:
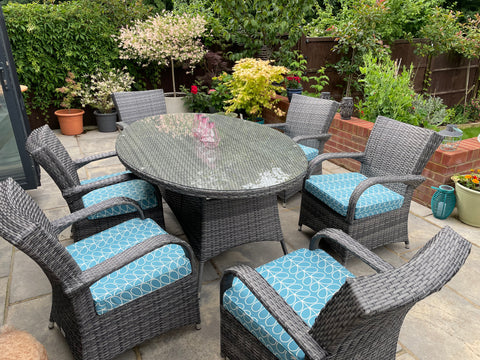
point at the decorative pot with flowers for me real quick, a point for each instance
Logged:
(97, 93)
(293, 85)
(70, 120)
(467, 191)
(252, 87)
(165, 39)
(197, 98)
(203, 99)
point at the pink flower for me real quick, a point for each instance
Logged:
(194, 89)
(211, 91)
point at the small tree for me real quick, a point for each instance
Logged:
(165, 39)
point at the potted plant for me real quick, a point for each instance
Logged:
(467, 191)
(97, 93)
(293, 86)
(70, 120)
(252, 87)
(165, 39)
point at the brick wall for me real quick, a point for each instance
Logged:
(351, 136)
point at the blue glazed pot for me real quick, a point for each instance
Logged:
(290, 92)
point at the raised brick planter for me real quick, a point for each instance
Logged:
(351, 136)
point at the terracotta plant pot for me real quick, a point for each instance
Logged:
(70, 120)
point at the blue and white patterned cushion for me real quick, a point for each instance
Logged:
(335, 190)
(310, 152)
(142, 276)
(305, 279)
(139, 190)
(88, 181)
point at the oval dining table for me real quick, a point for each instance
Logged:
(220, 175)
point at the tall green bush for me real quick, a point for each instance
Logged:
(48, 40)
(388, 91)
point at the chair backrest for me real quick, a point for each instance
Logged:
(363, 319)
(48, 151)
(25, 226)
(396, 148)
(135, 105)
(309, 116)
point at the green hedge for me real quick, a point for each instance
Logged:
(48, 40)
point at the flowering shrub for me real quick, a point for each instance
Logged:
(252, 86)
(164, 39)
(197, 98)
(97, 92)
(70, 91)
(293, 82)
(470, 181)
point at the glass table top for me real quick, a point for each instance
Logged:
(211, 155)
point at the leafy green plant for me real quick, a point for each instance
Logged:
(430, 110)
(98, 88)
(387, 90)
(48, 40)
(269, 26)
(220, 94)
(252, 86)
(197, 98)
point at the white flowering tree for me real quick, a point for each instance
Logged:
(164, 39)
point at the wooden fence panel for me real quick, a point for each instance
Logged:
(448, 71)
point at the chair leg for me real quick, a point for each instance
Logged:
(200, 276)
(284, 247)
(407, 244)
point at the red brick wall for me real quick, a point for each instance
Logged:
(351, 136)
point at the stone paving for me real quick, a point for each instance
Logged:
(446, 325)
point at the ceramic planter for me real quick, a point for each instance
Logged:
(106, 122)
(71, 121)
(468, 205)
(175, 104)
(291, 91)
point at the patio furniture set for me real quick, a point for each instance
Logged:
(125, 279)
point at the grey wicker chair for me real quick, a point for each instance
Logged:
(48, 151)
(371, 206)
(95, 328)
(136, 105)
(307, 123)
(331, 315)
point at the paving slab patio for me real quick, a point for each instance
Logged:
(446, 325)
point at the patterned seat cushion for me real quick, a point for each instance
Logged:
(310, 152)
(139, 190)
(305, 279)
(142, 276)
(88, 181)
(335, 190)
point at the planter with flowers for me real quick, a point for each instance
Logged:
(252, 87)
(166, 39)
(467, 191)
(97, 93)
(70, 120)
(293, 86)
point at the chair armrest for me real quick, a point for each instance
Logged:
(319, 137)
(88, 159)
(64, 222)
(276, 306)
(346, 241)
(411, 180)
(76, 192)
(99, 271)
(280, 126)
(317, 161)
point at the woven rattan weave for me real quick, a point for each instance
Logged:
(395, 155)
(363, 318)
(136, 105)
(223, 195)
(89, 335)
(48, 151)
(307, 123)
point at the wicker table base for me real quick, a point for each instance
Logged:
(215, 225)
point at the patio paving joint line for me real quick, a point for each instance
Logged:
(9, 282)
